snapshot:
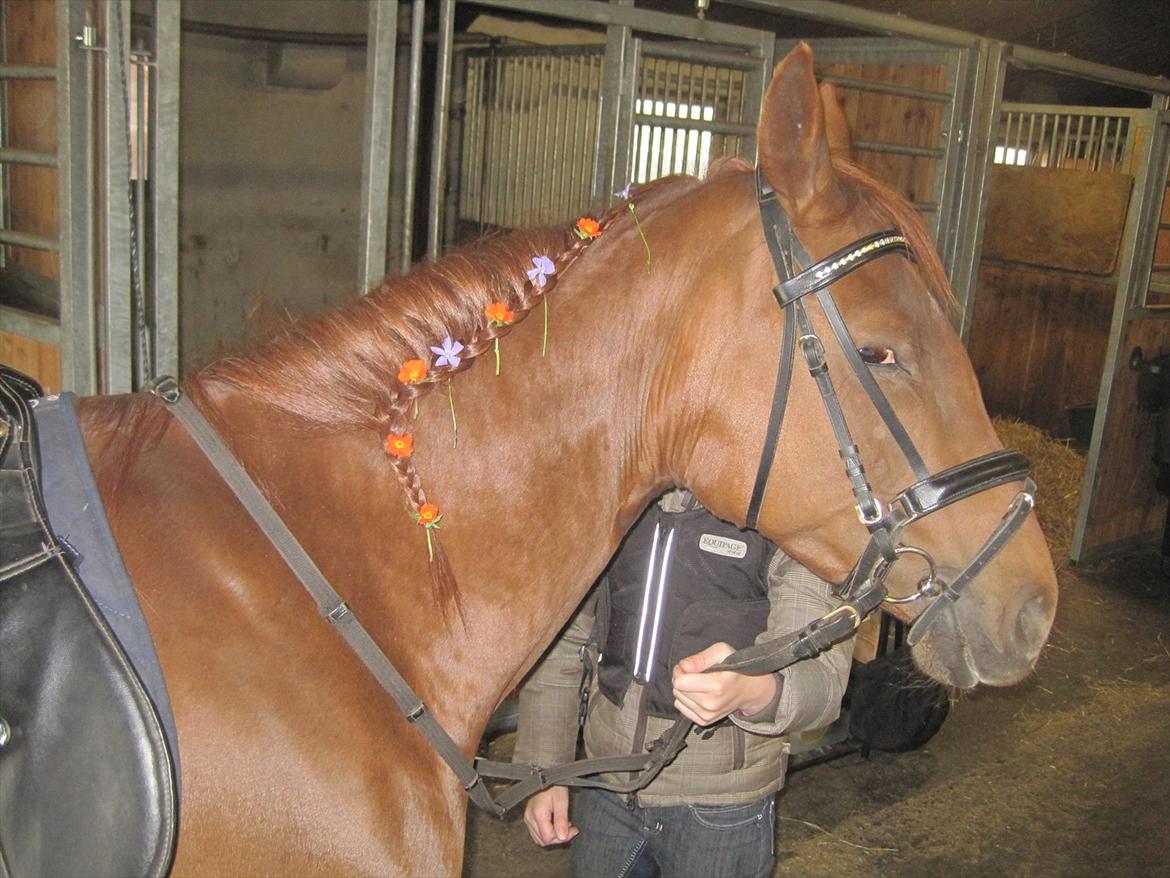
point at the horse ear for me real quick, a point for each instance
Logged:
(836, 125)
(794, 150)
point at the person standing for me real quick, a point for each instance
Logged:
(683, 592)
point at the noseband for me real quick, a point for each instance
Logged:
(863, 590)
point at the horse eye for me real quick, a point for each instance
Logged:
(878, 356)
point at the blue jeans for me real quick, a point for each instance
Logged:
(618, 841)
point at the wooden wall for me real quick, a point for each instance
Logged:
(1040, 331)
(884, 118)
(1038, 342)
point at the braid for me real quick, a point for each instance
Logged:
(480, 340)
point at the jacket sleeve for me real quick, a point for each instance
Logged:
(549, 697)
(810, 690)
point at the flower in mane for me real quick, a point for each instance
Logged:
(542, 268)
(400, 444)
(448, 354)
(587, 228)
(412, 372)
(498, 314)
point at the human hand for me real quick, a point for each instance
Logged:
(707, 698)
(547, 817)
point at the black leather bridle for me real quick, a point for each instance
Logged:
(861, 594)
(863, 590)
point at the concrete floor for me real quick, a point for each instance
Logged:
(1065, 775)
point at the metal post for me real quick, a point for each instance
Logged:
(973, 213)
(165, 178)
(619, 48)
(455, 151)
(417, 22)
(116, 312)
(377, 138)
(78, 337)
(438, 193)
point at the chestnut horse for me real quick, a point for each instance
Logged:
(294, 760)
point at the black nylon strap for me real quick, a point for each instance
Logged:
(328, 601)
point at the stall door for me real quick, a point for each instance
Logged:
(1119, 503)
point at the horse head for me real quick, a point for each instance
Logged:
(897, 311)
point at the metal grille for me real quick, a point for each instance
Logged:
(532, 121)
(1064, 137)
(530, 135)
(686, 114)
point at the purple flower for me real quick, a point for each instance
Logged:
(543, 267)
(625, 193)
(448, 353)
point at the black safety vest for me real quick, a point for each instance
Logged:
(715, 589)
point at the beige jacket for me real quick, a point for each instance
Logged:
(736, 764)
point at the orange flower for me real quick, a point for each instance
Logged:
(497, 312)
(412, 372)
(400, 444)
(428, 514)
(588, 228)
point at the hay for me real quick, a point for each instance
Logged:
(1058, 471)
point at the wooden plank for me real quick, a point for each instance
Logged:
(37, 359)
(1057, 217)
(1125, 504)
(1038, 342)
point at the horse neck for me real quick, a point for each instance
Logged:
(551, 466)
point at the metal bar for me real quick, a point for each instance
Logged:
(525, 124)
(32, 242)
(903, 91)
(692, 53)
(1064, 143)
(624, 14)
(546, 162)
(899, 149)
(144, 340)
(619, 47)
(558, 107)
(863, 19)
(505, 160)
(973, 217)
(26, 324)
(115, 329)
(728, 128)
(1118, 135)
(439, 134)
(458, 133)
(1025, 56)
(165, 185)
(27, 71)
(27, 157)
(78, 335)
(1041, 143)
(494, 154)
(414, 99)
(377, 141)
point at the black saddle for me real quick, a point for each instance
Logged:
(87, 785)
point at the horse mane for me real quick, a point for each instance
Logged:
(339, 370)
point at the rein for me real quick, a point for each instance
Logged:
(862, 593)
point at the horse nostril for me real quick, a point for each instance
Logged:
(1032, 624)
